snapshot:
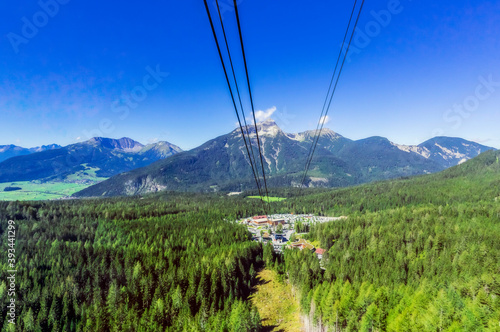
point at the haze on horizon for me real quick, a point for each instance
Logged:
(73, 70)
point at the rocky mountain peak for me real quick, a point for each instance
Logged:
(309, 134)
(267, 128)
(125, 144)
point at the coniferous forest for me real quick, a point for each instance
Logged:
(419, 254)
(171, 263)
(415, 255)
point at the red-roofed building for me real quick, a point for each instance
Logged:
(320, 252)
(259, 220)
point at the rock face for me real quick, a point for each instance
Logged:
(222, 163)
(147, 184)
(124, 144)
(451, 151)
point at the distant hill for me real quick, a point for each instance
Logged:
(9, 151)
(103, 157)
(222, 163)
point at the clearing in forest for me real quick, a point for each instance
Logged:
(277, 307)
(268, 198)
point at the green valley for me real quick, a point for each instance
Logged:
(37, 190)
(48, 190)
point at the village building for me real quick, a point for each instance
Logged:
(278, 246)
(276, 222)
(320, 252)
(302, 244)
(259, 220)
(264, 228)
(278, 237)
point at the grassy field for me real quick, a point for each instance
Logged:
(268, 199)
(32, 190)
(277, 307)
(89, 174)
(37, 190)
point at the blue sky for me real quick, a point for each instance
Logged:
(66, 69)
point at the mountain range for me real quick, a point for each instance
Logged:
(96, 158)
(222, 163)
(9, 151)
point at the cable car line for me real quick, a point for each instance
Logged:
(232, 95)
(316, 136)
(254, 165)
(333, 92)
(251, 98)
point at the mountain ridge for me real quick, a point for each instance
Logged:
(11, 150)
(222, 163)
(124, 144)
(106, 156)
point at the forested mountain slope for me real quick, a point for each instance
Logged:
(414, 255)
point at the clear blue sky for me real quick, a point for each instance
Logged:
(422, 72)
